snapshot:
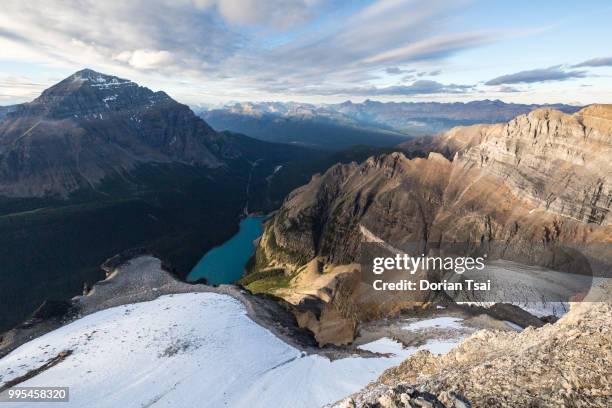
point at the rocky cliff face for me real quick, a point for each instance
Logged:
(541, 177)
(390, 195)
(553, 161)
(91, 125)
(521, 188)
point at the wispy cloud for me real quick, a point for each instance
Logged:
(508, 89)
(280, 14)
(397, 71)
(596, 62)
(19, 86)
(239, 49)
(235, 42)
(555, 73)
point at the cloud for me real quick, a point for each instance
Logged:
(76, 33)
(508, 89)
(430, 48)
(357, 46)
(555, 73)
(280, 14)
(595, 62)
(145, 59)
(18, 87)
(397, 71)
(239, 46)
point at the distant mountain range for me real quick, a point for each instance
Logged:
(418, 118)
(300, 124)
(97, 165)
(334, 126)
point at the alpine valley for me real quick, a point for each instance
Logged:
(109, 166)
(110, 193)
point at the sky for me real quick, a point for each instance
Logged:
(208, 52)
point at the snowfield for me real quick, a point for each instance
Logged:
(191, 350)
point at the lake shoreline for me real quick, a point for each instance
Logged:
(138, 276)
(225, 263)
(144, 278)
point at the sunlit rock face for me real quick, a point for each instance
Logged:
(540, 177)
(552, 160)
(525, 190)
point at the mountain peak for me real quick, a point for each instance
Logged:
(88, 72)
(596, 116)
(95, 78)
(88, 93)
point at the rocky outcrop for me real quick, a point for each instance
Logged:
(565, 364)
(527, 190)
(403, 395)
(390, 195)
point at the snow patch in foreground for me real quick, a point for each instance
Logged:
(186, 350)
(435, 346)
(446, 322)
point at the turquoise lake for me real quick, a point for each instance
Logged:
(225, 263)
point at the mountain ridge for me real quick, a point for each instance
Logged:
(381, 123)
(532, 190)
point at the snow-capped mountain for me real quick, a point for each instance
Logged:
(91, 125)
(319, 126)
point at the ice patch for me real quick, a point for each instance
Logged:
(383, 346)
(440, 346)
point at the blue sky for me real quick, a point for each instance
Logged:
(215, 51)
